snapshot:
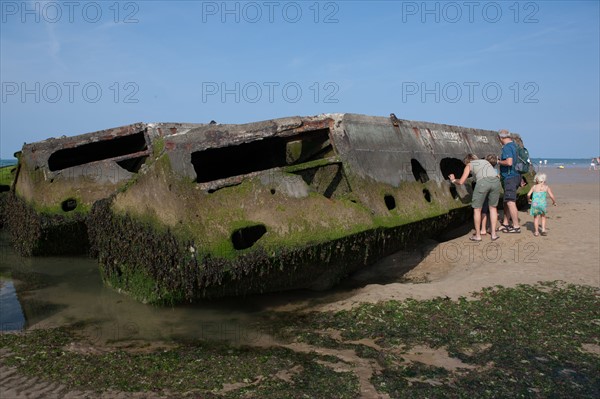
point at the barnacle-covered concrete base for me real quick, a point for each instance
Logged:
(180, 212)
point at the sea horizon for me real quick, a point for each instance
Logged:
(566, 162)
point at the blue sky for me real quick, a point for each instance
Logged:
(76, 67)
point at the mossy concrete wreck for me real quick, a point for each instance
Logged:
(178, 212)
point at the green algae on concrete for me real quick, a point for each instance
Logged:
(7, 175)
(159, 265)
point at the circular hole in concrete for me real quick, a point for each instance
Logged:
(69, 205)
(272, 191)
(427, 195)
(451, 166)
(390, 202)
(418, 171)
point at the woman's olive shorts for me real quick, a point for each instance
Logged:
(486, 187)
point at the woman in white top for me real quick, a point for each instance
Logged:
(488, 185)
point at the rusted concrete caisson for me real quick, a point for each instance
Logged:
(178, 212)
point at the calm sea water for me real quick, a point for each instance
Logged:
(6, 162)
(566, 162)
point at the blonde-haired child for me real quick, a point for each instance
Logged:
(537, 199)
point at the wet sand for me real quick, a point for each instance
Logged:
(570, 252)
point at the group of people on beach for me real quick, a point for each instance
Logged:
(488, 184)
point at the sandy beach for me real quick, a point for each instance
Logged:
(570, 252)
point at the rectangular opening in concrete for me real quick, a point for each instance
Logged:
(97, 151)
(273, 152)
(132, 165)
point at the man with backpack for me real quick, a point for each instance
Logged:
(511, 180)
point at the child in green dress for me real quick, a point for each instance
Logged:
(537, 199)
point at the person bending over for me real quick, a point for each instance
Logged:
(487, 186)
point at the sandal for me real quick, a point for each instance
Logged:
(536, 234)
(504, 228)
(495, 238)
(473, 238)
(544, 233)
(513, 230)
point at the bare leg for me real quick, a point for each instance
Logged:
(506, 213)
(514, 215)
(477, 222)
(493, 220)
(536, 224)
(483, 224)
(543, 223)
